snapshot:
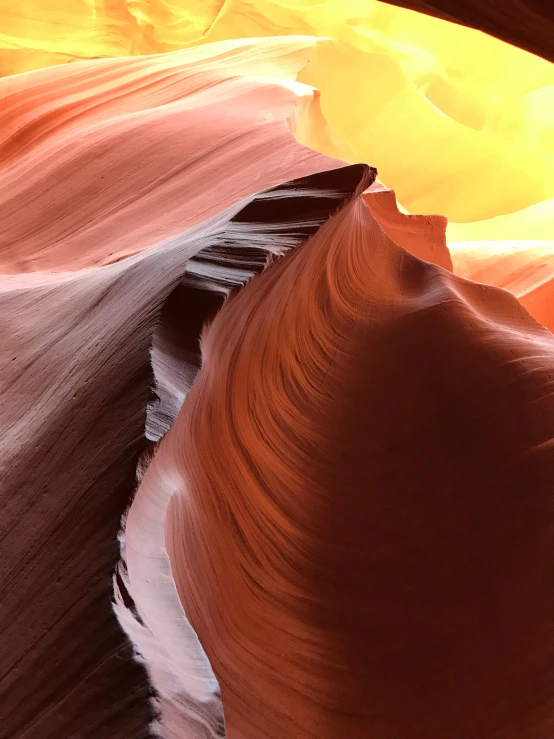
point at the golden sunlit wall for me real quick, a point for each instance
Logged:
(456, 122)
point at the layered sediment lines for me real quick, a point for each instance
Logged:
(357, 500)
(339, 430)
(76, 384)
(102, 159)
(468, 136)
(88, 271)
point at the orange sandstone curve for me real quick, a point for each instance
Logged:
(361, 501)
(506, 259)
(186, 687)
(525, 268)
(424, 236)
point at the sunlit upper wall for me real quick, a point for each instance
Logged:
(36, 33)
(456, 122)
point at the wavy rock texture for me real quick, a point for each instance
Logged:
(188, 697)
(77, 371)
(105, 158)
(342, 528)
(75, 386)
(358, 493)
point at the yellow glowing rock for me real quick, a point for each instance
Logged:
(434, 163)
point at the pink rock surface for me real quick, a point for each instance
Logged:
(102, 159)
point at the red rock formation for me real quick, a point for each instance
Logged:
(181, 674)
(422, 236)
(361, 500)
